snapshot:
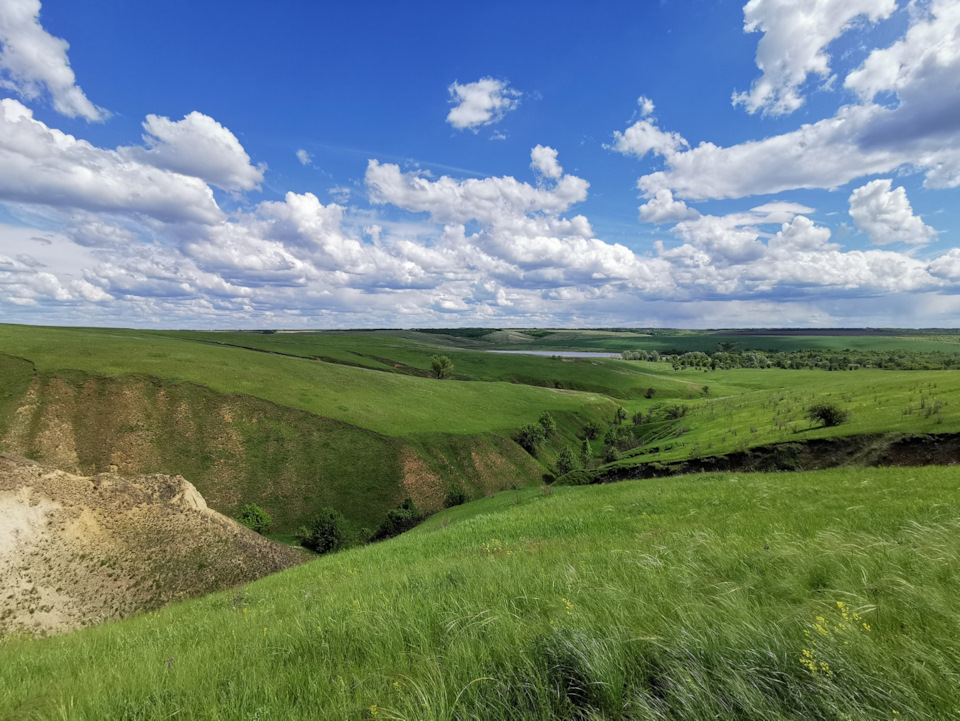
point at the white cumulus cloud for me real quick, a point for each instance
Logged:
(32, 60)
(886, 216)
(199, 146)
(662, 208)
(543, 159)
(919, 131)
(793, 46)
(304, 157)
(644, 137)
(481, 103)
(46, 166)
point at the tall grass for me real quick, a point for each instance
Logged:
(827, 595)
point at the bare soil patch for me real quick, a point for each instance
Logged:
(76, 551)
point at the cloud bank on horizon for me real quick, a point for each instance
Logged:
(827, 196)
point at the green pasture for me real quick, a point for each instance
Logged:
(827, 595)
(387, 403)
(409, 352)
(708, 341)
(907, 402)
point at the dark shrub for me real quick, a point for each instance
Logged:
(400, 519)
(675, 411)
(611, 454)
(456, 496)
(255, 518)
(531, 438)
(327, 531)
(828, 414)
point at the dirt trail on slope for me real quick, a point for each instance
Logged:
(75, 551)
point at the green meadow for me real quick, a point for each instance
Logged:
(387, 403)
(825, 595)
(298, 421)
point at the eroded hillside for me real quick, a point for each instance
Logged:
(75, 551)
(241, 449)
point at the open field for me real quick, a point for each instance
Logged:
(791, 596)
(387, 403)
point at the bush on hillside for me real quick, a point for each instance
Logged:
(611, 454)
(255, 518)
(566, 461)
(400, 519)
(585, 453)
(547, 423)
(442, 366)
(327, 531)
(591, 431)
(456, 496)
(531, 437)
(829, 414)
(675, 412)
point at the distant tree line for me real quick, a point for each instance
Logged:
(830, 360)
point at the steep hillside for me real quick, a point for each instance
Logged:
(241, 449)
(75, 551)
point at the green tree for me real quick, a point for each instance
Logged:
(255, 518)
(585, 453)
(442, 366)
(621, 415)
(546, 421)
(565, 462)
(531, 437)
(327, 531)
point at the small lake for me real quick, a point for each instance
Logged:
(561, 353)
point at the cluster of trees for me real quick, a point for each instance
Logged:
(328, 531)
(641, 355)
(532, 437)
(831, 360)
(619, 436)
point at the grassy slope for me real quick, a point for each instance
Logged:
(384, 350)
(744, 407)
(383, 402)
(240, 449)
(707, 341)
(235, 449)
(878, 402)
(688, 598)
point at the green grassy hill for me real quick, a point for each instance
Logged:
(827, 595)
(254, 417)
(387, 403)
(290, 434)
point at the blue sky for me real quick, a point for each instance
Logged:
(308, 165)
